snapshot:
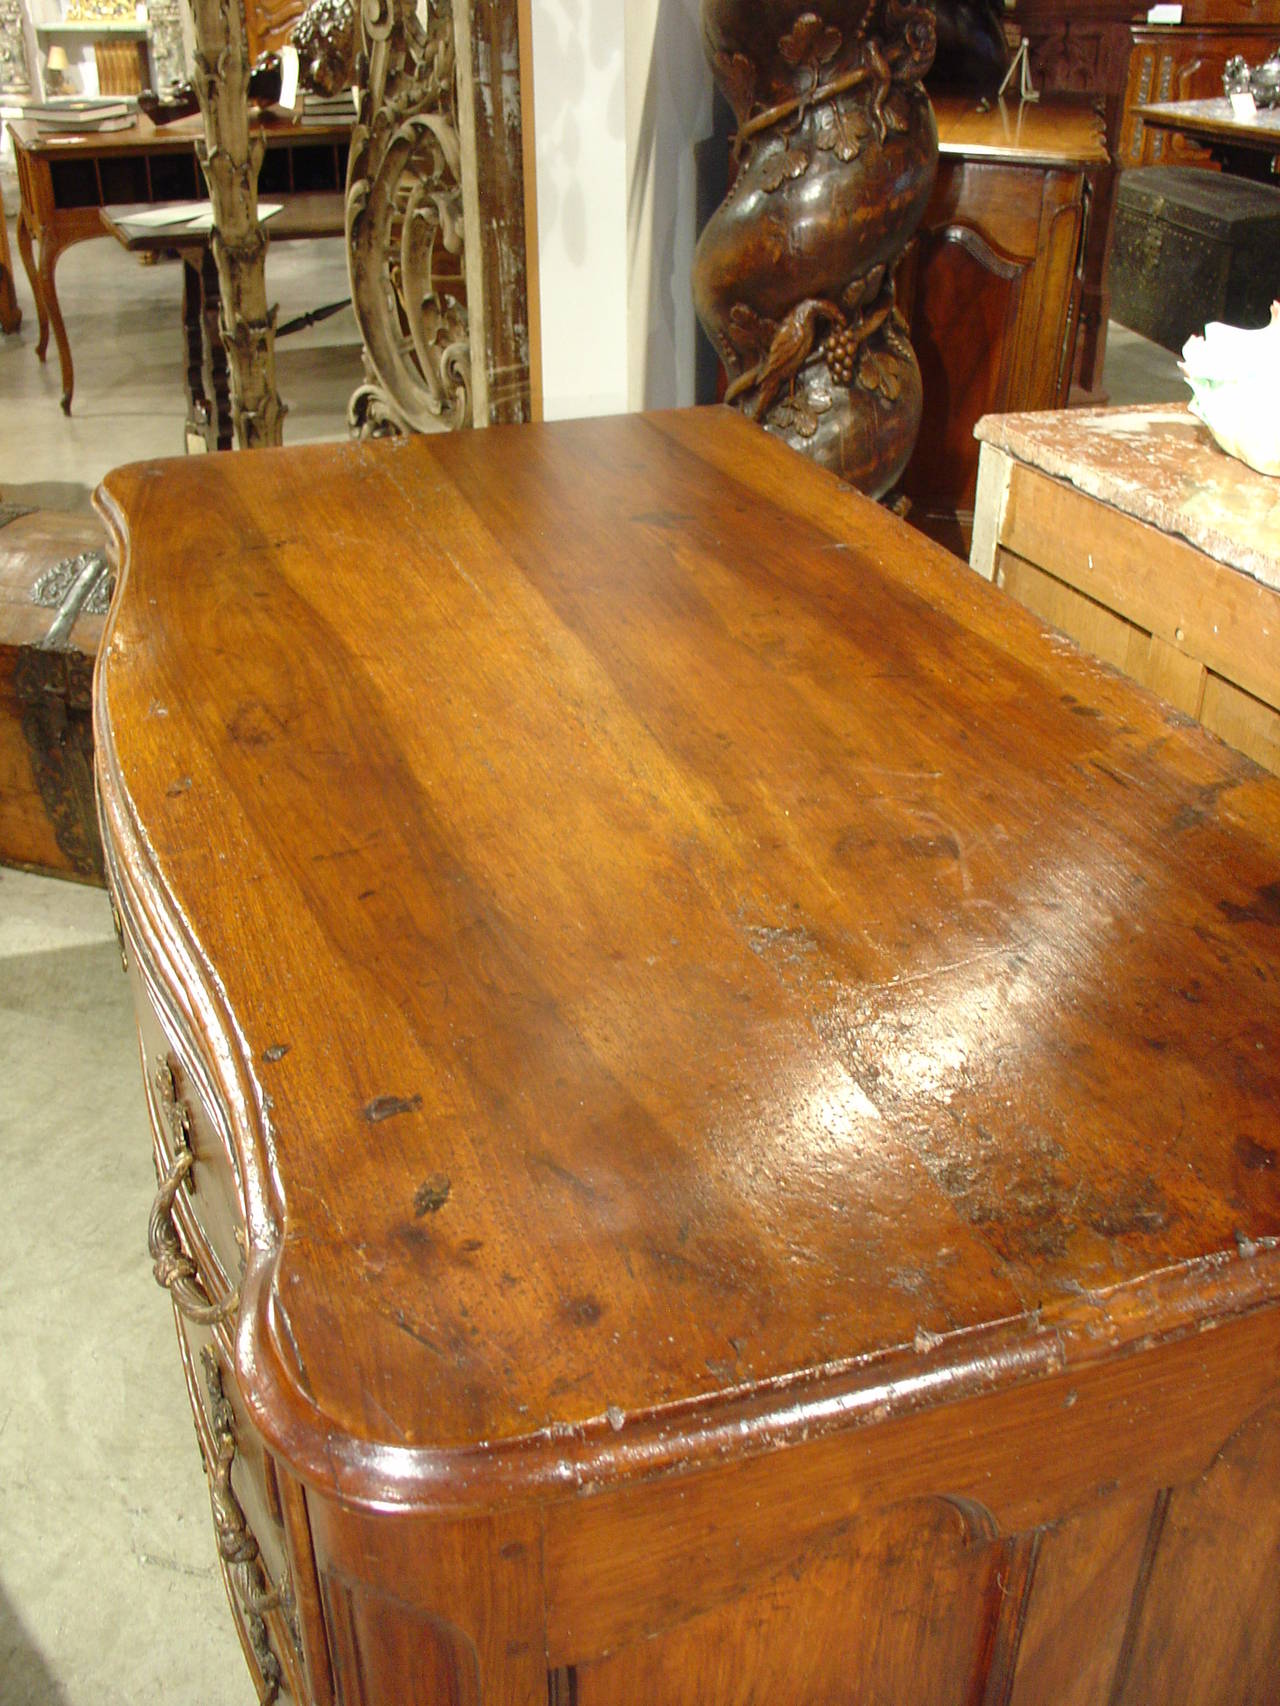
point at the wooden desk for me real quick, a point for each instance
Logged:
(993, 291)
(1247, 147)
(66, 180)
(1132, 532)
(308, 214)
(722, 1078)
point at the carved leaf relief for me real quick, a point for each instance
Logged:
(809, 43)
(781, 166)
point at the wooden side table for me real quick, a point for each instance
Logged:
(310, 214)
(715, 1089)
(1132, 532)
(66, 180)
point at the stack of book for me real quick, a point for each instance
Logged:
(75, 114)
(328, 109)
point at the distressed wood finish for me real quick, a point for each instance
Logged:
(50, 627)
(711, 1077)
(1132, 532)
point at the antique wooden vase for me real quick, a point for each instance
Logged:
(835, 157)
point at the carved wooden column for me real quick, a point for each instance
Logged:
(793, 278)
(230, 157)
(435, 218)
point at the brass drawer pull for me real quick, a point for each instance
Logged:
(171, 1264)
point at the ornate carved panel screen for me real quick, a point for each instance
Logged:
(435, 217)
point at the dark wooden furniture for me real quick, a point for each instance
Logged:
(53, 599)
(1106, 49)
(65, 181)
(1192, 246)
(315, 213)
(1179, 64)
(992, 291)
(716, 1088)
(1247, 147)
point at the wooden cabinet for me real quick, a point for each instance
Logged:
(1180, 64)
(714, 1086)
(992, 289)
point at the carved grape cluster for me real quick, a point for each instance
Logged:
(841, 351)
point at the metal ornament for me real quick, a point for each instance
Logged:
(404, 224)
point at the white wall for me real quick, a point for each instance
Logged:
(620, 92)
(668, 109)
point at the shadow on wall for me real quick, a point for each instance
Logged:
(577, 48)
(677, 179)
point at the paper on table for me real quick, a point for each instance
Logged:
(185, 216)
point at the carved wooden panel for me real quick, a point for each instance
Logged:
(918, 1602)
(384, 1650)
(1218, 1549)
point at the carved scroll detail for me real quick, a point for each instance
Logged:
(404, 222)
(793, 279)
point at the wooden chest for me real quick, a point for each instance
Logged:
(1193, 246)
(54, 589)
(715, 1088)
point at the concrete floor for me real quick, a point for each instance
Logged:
(109, 1594)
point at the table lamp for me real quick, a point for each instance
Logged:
(55, 70)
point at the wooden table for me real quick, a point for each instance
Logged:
(1131, 531)
(993, 290)
(716, 1086)
(1247, 147)
(316, 213)
(65, 181)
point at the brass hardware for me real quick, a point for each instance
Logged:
(173, 1268)
(118, 927)
(236, 1544)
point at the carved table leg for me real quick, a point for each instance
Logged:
(33, 278)
(10, 313)
(217, 373)
(50, 249)
(198, 410)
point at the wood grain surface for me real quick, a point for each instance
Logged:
(689, 965)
